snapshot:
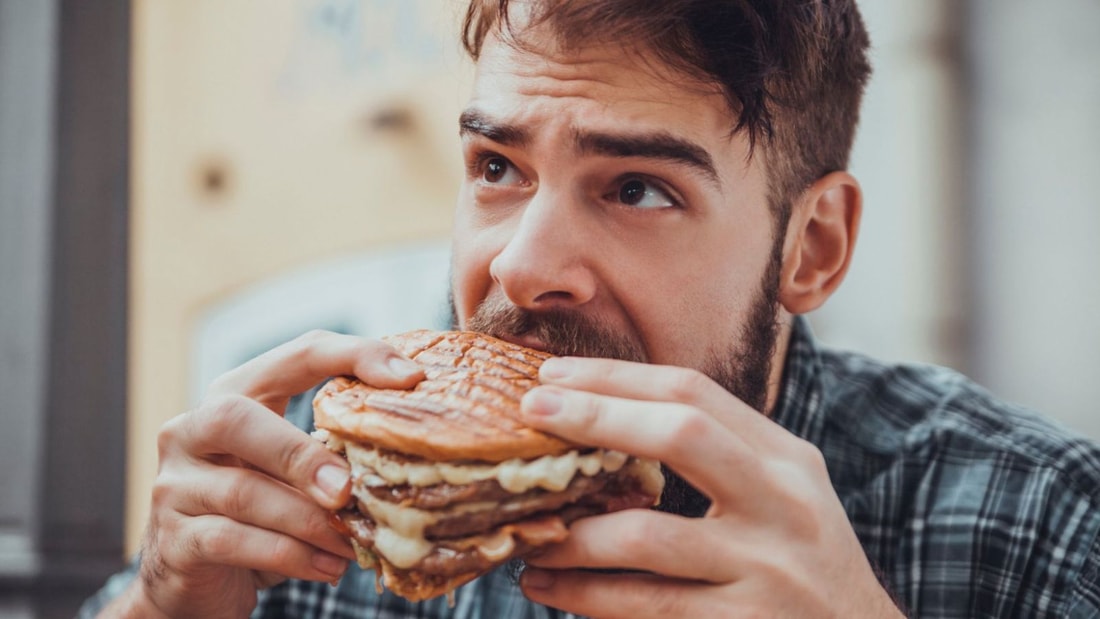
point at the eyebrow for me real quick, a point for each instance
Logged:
(656, 145)
(653, 145)
(474, 121)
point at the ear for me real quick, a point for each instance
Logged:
(821, 236)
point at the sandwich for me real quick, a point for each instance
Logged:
(447, 481)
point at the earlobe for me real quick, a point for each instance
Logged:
(821, 237)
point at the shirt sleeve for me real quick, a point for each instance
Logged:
(114, 587)
(1085, 599)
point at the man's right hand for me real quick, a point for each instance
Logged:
(242, 497)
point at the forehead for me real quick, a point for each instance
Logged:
(598, 85)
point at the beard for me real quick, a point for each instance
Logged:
(743, 367)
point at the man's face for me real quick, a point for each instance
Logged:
(607, 211)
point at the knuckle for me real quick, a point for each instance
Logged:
(658, 536)
(806, 516)
(297, 460)
(213, 543)
(302, 347)
(650, 538)
(691, 424)
(637, 538)
(312, 337)
(164, 492)
(811, 461)
(378, 348)
(801, 508)
(372, 355)
(234, 501)
(169, 435)
(591, 407)
(284, 551)
(208, 503)
(806, 453)
(687, 384)
(813, 458)
(229, 496)
(221, 415)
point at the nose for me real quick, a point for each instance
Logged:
(545, 264)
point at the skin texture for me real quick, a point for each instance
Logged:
(667, 256)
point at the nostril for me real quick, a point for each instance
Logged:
(553, 296)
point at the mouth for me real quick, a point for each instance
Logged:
(526, 340)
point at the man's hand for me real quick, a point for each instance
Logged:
(241, 497)
(775, 543)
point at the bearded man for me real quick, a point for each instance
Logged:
(656, 191)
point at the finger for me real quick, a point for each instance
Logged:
(611, 596)
(658, 383)
(645, 540)
(240, 427)
(714, 459)
(217, 540)
(250, 497)
(300, 364)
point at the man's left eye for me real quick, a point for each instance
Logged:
(640, 193)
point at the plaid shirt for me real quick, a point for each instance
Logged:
(967, 507)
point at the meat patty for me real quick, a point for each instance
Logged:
(455, 538)
(439, 495)
(516, 507)
(459, 556)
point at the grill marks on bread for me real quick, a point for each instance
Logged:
(466, 408)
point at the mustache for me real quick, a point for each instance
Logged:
(563, 332)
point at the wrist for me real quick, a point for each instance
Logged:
(134, 603)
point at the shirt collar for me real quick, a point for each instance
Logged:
(799, 408)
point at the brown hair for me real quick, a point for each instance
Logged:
(792, 71)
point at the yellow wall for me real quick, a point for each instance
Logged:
(267, 134)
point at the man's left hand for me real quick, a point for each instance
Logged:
(775, 542)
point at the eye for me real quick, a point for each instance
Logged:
(641, 193)
(497, 170)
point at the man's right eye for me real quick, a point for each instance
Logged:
(499, 171)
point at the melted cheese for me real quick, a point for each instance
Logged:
(516, 475)
(403, 552)
(399, 531)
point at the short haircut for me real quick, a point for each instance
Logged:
(792, 71)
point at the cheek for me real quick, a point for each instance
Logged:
(471, 254)
(698, 296)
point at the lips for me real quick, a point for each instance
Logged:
(526, 340)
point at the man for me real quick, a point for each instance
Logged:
(656, 190)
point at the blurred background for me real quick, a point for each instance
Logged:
(185, 183)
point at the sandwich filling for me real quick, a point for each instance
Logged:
(444, 519)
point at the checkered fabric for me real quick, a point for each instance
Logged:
(967, 506)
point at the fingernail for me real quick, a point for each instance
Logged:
(544, 402)
(555, 367)
(534, 578)
(329, 564)
(332, 479)
(402, 367)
